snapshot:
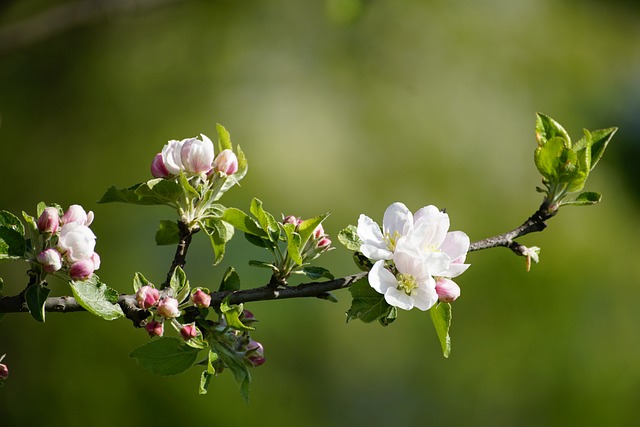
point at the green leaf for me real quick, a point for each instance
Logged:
(224, 138)
(179, 284)
(236, 364)
(265, 219)
(35, 297)
(367, 305)
(219, 232)
(139, 281)
(548, 158)
(579, 177)
(308, 226)
(294, 244)
(441, 318)
(585, 199)
(168, 233)
(187, 188)
(243, 222)
(600, 140)
(547, 128)
(165, 356)
(349, 238)
(10, 221)
(230, 281)
(314, 272)
(97, 298)
(12, 243)
(260, 242)
(208, 373)
(232, 315)
(157, 191)
(262, 264)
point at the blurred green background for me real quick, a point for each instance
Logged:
(343, 106)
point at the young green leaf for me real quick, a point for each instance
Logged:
(165, 356)
(167, 233)
(139, 281)
(179, 284)
(243, 222)
(294, 244)
(314, 272)
(600, 139)
(97, 298)
(224, 138)
(219, 232)
(585, 199)
(349, 238)
(10, 221)
(230, 281)
(308, 226)
(367, 305)
(153, 192)
(208, 373)
(441, 318)
(35, 297)
(547, 128)
(265, 219)
(232, 315)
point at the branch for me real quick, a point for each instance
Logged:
(64, 17)
(66, 304)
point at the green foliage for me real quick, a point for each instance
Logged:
(349, 238)
(12, 242)
(97, 298)
(156, 191)
(165, 356)
(230, 281)
(139, 281)
(179, 285)
(36, 296)
(168, 233)
(564, 166)
(441, 318)
(368, 305)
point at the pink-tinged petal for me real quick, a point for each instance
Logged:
(171, 156)
(447, 290)
(456, 245)
(425, 297)
(433, 226)
(397, 218)
(398, 298)
(381, 279)
(437, 263)
(414, 266)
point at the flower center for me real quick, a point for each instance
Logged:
(407, 283)
(392, 239)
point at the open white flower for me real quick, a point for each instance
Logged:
(413, 286)
(377, 244)
(77, 241)
(197, 155)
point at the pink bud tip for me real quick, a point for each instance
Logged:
(158, 168)
(201, 299)
(147, 297)
(49, 221)
(189, 331)
(154, 329)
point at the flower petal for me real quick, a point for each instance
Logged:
(397, 218)
(456, 245)
(425, 297)
(435, 225)
(381, 279)
(398, 299)
(373, 245)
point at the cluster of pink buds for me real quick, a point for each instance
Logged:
(192, 156)
(67, 242)
(167, 308)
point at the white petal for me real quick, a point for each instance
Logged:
(397, 218)
(433, 225)
(381, 279)
(407, 263)
(455, 269)
(373, 245)
(375, 253)
(425, 297)
(456, 245)
(437, 263)
(398, 299)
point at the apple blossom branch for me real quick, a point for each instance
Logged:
(67, 304)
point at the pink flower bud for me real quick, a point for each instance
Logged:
(49, 221)
(189, 331)
(4, 371)
(447, 290)
(76, 213)
(226, 162)
(158, 169)
(81, 270)
(196, 155)
(154, 329)
(50, 259)
(77, 241)
(247, 315)
(168, 307)
(147, 297)
(324, 242)
(255, 353)
(318, 232)
(201, 299)
(96, 260)
(290, 219)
